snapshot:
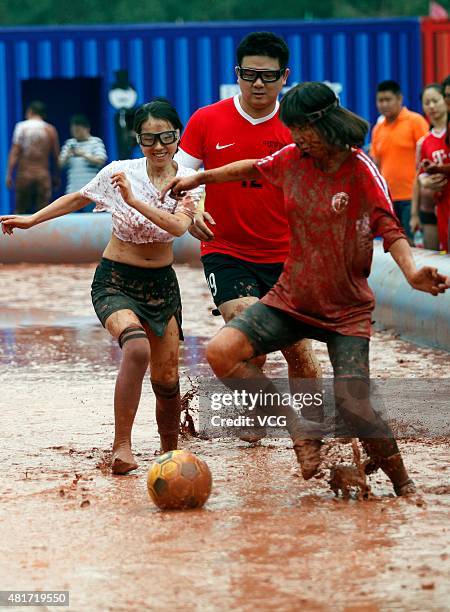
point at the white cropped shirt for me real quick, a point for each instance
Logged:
(128, 224)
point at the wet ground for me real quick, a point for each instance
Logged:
(265, 539)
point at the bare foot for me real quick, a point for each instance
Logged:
(122, 460)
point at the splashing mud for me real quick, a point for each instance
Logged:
(266, 539)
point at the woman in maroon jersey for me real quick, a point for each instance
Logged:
(336, 203)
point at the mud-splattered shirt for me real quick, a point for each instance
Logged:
(129, 224)
(333, 218)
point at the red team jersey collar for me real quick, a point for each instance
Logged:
(251, 119)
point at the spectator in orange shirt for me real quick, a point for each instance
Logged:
(393, 147)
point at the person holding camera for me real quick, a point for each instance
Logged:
(82, 155)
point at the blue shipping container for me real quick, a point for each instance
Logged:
(73, 68)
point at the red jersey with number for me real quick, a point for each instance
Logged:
(250, 219)
(333, 219)
(434, 148)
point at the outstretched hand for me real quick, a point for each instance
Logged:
(428, 279)
(199, 229)
(178, 186)
(120, 181)
(10, 222)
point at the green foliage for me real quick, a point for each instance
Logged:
(64, 12)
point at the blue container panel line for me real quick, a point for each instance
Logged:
(188, 63)
(158, 68)
(136, 60)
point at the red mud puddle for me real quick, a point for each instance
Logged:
(266, 539)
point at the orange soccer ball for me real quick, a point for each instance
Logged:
(179, 480)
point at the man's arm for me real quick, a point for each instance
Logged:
(426, 279)
(198, 229)
(13, 160)
(92, 159)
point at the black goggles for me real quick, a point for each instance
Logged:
(266, 76)
(147, 139)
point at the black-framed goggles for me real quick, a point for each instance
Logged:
(266, 76)
(148, 139)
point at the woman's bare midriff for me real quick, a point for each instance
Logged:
(147, 255)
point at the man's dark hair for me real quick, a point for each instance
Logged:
(317, 105)
(389, 85)
(81, 120)
(266, 44)
(38, 108)
(158, 108)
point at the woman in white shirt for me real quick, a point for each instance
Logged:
(135, 290)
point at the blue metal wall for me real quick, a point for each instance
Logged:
(187, 63)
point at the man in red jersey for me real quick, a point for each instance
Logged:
(243, 229)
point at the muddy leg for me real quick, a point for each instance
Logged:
(168, 410)
(165, 383)
(350, 358)
(135, 360)
(303, 364)
(228, 354)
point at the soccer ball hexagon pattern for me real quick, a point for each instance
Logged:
(178, 480)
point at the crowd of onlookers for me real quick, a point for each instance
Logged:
(413, 154)
(411, 151)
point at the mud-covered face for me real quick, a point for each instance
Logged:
(309, 141)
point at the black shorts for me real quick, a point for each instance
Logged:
(230, 278)
(269, 329)
(151, 293)
(427, 218)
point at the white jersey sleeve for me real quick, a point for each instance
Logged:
(188, 161)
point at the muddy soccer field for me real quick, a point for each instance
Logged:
(265, 540)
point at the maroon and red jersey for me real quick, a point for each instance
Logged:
(250, 218)
(333, 219)
(433, 147)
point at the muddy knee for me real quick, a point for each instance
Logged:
(219, 359)
(135, 346)
(302, 361)
(226, 350)
(259, 361)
